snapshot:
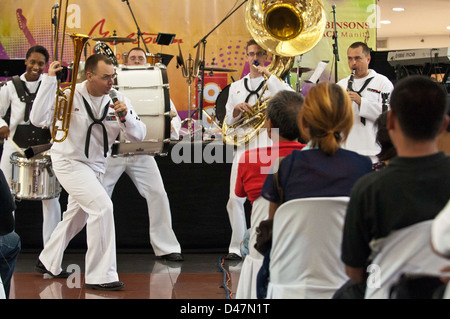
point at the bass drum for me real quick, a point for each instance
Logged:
(147, 88)
(33, 178)
(221, 102)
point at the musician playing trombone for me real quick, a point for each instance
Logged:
(243, 94)
(79, 162)
(365, 88)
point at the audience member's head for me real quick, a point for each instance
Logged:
(387, 151)
(282, 113)
(420, 106)
(326, 117)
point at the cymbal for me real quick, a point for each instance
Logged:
(114, 39)
(301, 70)
(218, 69)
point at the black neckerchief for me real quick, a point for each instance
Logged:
(252, 92)
(366, 83)
(96, 121)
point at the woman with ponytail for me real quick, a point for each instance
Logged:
(322, 168)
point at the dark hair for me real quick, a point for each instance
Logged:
(253, 42)
(383, 139)
(137, 49)
(420, 105)
(282, 110)
(39, 49)
(365, 48)
(92, 62)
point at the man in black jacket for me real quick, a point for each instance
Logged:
(9, 240)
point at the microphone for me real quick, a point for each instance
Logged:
(333, 6)
(113, 96)
(55, 6)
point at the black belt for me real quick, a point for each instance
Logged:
(96, 121)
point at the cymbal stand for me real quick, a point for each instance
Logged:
(139, 33)
(188, 71)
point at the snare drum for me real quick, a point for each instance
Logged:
(33, 178)
(152, 59)
(148, 90)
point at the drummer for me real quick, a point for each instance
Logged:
(144, 172)
(14, 113)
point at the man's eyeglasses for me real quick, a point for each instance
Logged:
(258, 54)
(134, 58)
(107, 77)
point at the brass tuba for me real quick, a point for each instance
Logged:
(63, 104)
(285, 28)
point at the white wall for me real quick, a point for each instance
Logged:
(415, 42)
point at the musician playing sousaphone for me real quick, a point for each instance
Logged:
(144, 172)
(243, 94)
(365, 87)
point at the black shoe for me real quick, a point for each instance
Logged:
(40, 268)
(110, 286)
(233, 256)
(173, 257)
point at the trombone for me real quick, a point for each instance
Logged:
(63, 104)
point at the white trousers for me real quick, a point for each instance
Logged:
(235, 204)
(51, 209)
(88, 204)
(144, 172)
(236, 212)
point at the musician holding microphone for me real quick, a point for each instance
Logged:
(243, 94)
(79, 162)
(364, 87)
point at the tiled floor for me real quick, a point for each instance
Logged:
(200, 276)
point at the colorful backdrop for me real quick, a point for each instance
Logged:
(28, 22)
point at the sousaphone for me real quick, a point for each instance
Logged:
(285, 28)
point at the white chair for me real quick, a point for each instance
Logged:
(246, 288)
(407, 250)
(2, 290)
(305, 260)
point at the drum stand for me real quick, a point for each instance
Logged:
(190, 71)
(189, 120)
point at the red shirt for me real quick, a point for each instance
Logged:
(255, 164)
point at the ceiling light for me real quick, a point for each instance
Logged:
(385, 22)
(398, 9)
(448, 27)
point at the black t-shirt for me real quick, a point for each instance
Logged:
(7, 206)
(406, 192)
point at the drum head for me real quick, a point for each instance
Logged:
(221, 102)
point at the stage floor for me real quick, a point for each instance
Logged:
(199, 276)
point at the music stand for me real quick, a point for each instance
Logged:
(10, 67)
(165, 38)
(166, 58)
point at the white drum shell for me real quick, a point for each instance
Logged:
(33, 179)
(148, 91)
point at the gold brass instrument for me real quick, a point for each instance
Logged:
(285, 28)
(63, 104)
